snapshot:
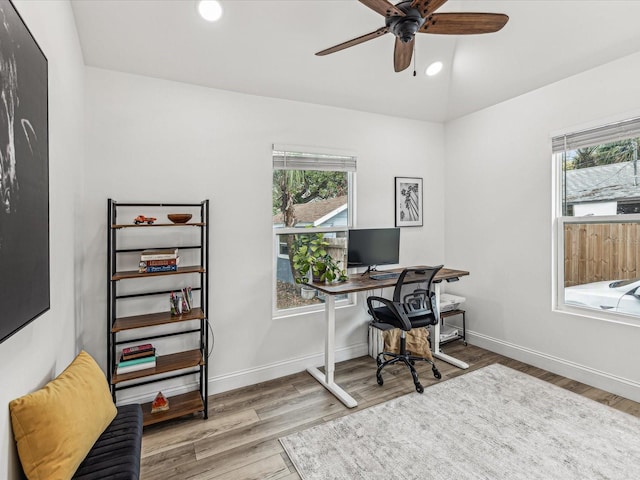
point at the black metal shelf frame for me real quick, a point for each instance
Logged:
(113, 298)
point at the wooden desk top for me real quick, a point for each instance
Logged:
(360, 283)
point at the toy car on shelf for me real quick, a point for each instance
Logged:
(142, 219)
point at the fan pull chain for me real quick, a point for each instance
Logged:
(414, 58)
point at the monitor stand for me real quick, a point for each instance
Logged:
(370, 268)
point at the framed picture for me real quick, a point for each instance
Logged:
(24, 175)
(408, 197)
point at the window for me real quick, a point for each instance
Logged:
(312, 210)
(598, 220)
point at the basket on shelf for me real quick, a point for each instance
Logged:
(450, 302)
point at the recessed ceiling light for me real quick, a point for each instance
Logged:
(210, 10)
(434, 69)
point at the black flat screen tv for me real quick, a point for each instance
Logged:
(368, 247)
(24, 176)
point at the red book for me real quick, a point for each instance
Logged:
(141, 354)
(137, 349)
(151, 263)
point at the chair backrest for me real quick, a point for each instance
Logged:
(429, 273)
(418, 302)
(416, 299)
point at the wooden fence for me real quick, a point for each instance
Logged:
(338, 250)
(600, 251)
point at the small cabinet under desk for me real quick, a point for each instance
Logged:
(184, 334)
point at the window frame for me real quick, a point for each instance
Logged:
(597, 135)
(350, 169)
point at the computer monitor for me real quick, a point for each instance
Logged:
(368, 247)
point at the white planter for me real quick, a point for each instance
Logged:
(307, 293)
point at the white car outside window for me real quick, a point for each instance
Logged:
(622, 296)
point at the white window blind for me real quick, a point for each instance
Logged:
(595, 136)
(298, 160)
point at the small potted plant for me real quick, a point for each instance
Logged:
(326, 269)
(312, 260)
(308, 250)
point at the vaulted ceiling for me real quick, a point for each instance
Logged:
(266, 48)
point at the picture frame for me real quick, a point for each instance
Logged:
(24, 175)
(408, 201)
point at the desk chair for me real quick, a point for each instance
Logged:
(417, 309)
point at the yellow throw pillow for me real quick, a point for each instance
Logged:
(56, 426)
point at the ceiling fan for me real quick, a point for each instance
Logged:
(409, 17)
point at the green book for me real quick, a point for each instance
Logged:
(137, 361)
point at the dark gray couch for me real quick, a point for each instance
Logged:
(116, 454)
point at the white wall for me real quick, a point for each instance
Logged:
(152, 140)
(40, 351)
(161, 141)
(500, 158)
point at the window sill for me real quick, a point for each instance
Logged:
(600, 315)
(312, 309)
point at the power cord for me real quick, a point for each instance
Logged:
(213, 339)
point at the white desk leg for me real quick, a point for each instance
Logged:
(326, 379)
(436, 341)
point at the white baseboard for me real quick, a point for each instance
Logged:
(605, 381)
(251, 376)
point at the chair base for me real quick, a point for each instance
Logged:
(409, 360)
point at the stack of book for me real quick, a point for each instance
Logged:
(137, 358)
(152, 261)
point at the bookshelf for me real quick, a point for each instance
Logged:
(190, 364)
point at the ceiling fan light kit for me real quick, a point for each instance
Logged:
(409, 17)
(434, 69)
(210, 10)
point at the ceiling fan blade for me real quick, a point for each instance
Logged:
(355, 41)
(427, 7)
(383, 7)
(464, 23)
(402, 54)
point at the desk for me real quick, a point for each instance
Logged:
(361, 283)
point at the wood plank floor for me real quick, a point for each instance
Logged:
(239, 441)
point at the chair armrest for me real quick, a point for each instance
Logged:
(385, 301)
(395, 308)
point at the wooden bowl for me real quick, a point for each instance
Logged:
(179, 217)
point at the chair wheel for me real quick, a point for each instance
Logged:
(379, 379)
(419, 388)
(437, 374)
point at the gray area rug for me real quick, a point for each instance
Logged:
(493, 423)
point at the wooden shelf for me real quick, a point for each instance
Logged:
(179, 406)
(154, 319)
(450, 313)
(137, 274)
(146, 225)
(144, 327)
(164, 364)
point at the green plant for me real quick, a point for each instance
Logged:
(311, 257)
(325, 269)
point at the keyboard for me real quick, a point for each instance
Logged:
(384, 276)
